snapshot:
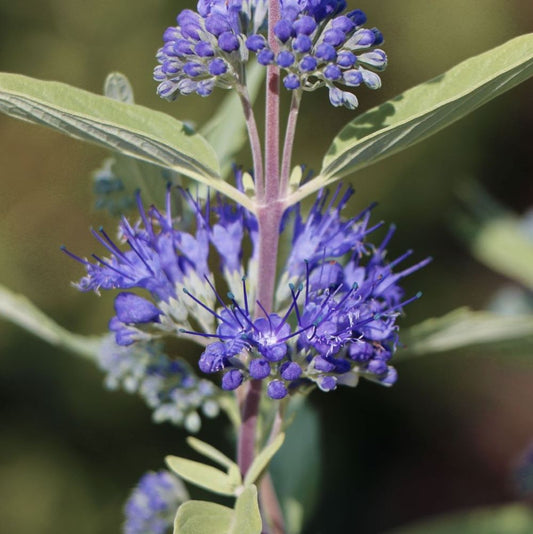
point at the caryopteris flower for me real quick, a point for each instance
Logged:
(152, 505)
(317, 46)
(168, 386)
(207, 47)
(321, 47)
(336, 307)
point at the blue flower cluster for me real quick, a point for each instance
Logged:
(206, 48)
(152, 505)
(318, 46)
(336, 305)
(339, 301)
(168, 386)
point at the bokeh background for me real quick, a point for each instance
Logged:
(443, 439)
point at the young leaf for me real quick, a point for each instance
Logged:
(202, 475)
(514, 519)
(210, 452)
(118, 87)
(19, 310)
(247, 518)
(262, 460)
(423, 111)
(462, 328)
(195, 517)
(126, 128)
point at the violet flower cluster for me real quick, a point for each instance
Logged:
(337, 301)
(152, 505)
(316, 46)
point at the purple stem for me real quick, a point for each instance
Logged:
(269, 211)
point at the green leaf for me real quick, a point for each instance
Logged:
(514, 519)
(423, 111)
(262, 460)
(210, 452)
(226, 131)
(247, 518)
(20, 311)
(203, 475)
(298, 493)
(201, 517)
(501, 245)
(462, 328)
(126, 128)
(195, 517)
(496, 236)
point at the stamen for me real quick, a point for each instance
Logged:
(200, 303)
(64, 249)
(266, 313)
(294, 298)
(400, 259)
(111, 243)
(244, 292)
(390, 233)
(109, 266)
(203, 334)
(142, 213)
(306, 281)
(129, 241)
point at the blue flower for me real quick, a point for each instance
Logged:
(152, 505)
(327, 49)
(337, 300)
(163, 261)
(318, 47)
(206, 48)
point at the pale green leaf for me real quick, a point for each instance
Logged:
(423, 111)
(514, 519)
(247, 518)
(201, 517)
(202, 475)
(463, 328)
(20, 311)
(226, 131)
(298, 492)
(120, 176)
(501, 245)
(210, 452)
(262, 460)
(496, 236)
(126, 128)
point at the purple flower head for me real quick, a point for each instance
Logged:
(322, 45)
(169, 267)
(336, 308)
(204, 49)
(152, 505)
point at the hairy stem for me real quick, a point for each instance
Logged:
(289, 141)
(269, 211)
(272, 112)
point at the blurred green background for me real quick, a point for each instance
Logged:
(443, 439)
